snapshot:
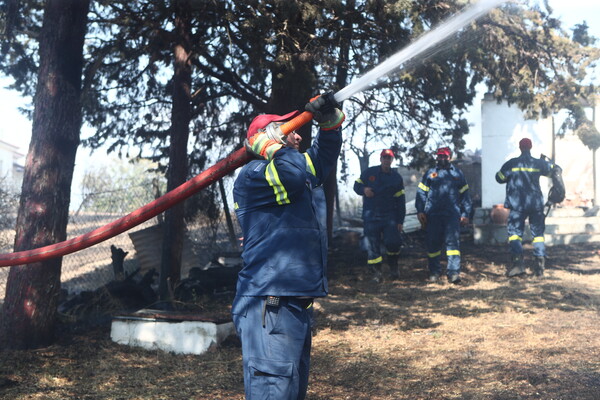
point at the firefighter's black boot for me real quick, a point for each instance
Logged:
(517, 266)
(376, 271)
(540, 264)
(393, 263)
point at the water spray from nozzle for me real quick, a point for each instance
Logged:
(418, 47)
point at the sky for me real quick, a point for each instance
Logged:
(16, 129)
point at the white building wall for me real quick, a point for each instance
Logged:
(10, 168)
(576, 160)
(502, 127)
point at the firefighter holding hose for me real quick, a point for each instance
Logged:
(280, 205)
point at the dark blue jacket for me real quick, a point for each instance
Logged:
(444, 191)
(389, 200)
(281, 209)
(522, 177)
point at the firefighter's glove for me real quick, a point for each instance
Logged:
(325, 110)
(274, 133)
(263, 146)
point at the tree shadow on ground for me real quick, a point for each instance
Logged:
(410, 301)
(367, 376)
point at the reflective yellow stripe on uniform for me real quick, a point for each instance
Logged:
(272, 177)
(375, 260)
(392, 253)
(453, 252)
(423, 187)
(501, 176)
(436, 254)
(514, 237)
(538, 239)
(399, 193)
(517, 169)
(265, 146)
(359, 180)
(310, 167)
(236, 206)
(464, 189)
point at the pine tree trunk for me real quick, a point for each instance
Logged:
(293, 75)
(32, 291)
(293, 86)
(170, 270)
(330, 189)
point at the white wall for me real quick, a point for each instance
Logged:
(576, 161)
(10, 173)
(502, 127)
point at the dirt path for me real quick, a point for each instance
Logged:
(487, 338)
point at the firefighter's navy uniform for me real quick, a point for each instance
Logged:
(524, 198)
(280, 206)
(443, 196)
(382, 213)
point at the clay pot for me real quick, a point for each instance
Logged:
(499, 214)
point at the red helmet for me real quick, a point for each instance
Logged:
(265, 119)
(387, 152)
(525, 144)
(444, 151)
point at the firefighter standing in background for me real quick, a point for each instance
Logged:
(443, 204)
(280, 206)
(524, 198)
(384, 209)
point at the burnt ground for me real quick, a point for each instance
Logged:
(487, 338)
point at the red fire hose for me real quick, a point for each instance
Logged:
(152, 209)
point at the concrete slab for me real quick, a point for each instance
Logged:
(172, 332)
(566, 212)
(563, 226)
(567, 225)
(495, 234)
(571, 238)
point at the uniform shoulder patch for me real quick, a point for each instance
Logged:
(372, 178)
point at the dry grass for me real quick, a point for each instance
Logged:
(488, 338)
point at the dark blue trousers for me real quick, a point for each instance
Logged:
(379, 229)
(276, 342)
(440, 230)
(516, 225)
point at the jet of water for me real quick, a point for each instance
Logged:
(425, 42)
